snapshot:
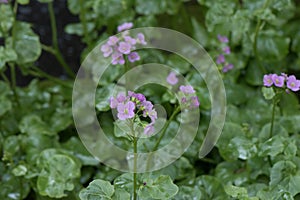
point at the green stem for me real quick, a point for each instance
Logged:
(5, 78)
(14, 82)
(56, 50)
(273, 117)
(84, 23)
(163, 131)
(162, 134)
(126, 69)
(39, 73)
(135, 168)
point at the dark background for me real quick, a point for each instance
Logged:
(71, 47)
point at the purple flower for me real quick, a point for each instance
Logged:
(117, 58)
(149, 129)
(293, 84)
(141, 39)
(220, 59)
(125, 26)
(187, 89)
(3, 1)
(125, 111)
(112, 40)
(153, 115)
(223, 39)
(284, 75)
(148, 106)
(183, 100)
(124, 47)
(268, 81)
(133, 56)
(130, 93)
(113, 103)
(194, 101)
(172, 79)
(121, 98)
(140, 97)
(226, 50)
(130, 40)
(227, 68)
(106, 50)
(278, 80)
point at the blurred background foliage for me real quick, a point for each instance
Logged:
(43, 42)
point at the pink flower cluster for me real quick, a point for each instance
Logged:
(225, 51)
(188, 99)
(282, 81)
(118, 47)
(134, 104)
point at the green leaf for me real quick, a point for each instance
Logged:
(20, 170)
(122, 128)
(27, 43)
(254, 74)
(6, 55)
(285, 175)
(125, 181)
(219, 15)
(121, 195)
(268, 92)
(200, 33)
(77, 149)
(187, 193)
(160, 188)
(271, 46)
(10, 147)
(102, 97)
(45, 1)
(58, 172)
(178, 63)
(33, 124)
(150, 7)
(97, 189)
(23, 2)
(238, 192)
(5, 105)
(273, 146)
(210, 188)
(12, 187)
(6, 19)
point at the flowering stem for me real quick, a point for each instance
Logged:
(39, 73)
(56, 52)
(126, 77)
(163, 131)
(135, 139)
(272, 119)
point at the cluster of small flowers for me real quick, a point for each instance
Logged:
(225, 51)
(187, 92)
(280, 80)
(118, 47)
(188, 98)
(3, 1)
(134, 104)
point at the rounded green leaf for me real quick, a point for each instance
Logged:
(97, 189)
(160, 188)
